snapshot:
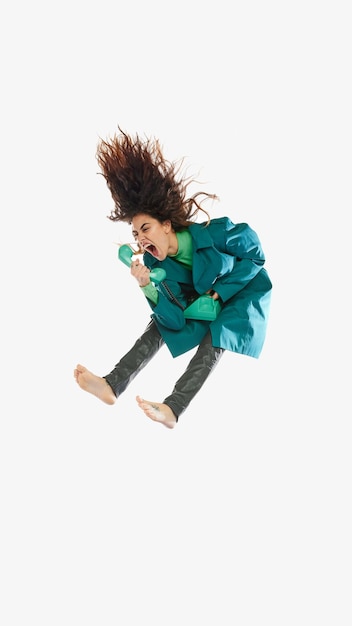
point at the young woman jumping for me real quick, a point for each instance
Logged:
(214, 259)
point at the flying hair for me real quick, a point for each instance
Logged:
(141, 180)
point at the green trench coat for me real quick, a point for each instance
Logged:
(228, 259)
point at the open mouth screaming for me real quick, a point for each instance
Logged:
(151, 249)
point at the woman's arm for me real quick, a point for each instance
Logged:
(242, 243)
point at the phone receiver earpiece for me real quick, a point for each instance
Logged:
(125, 254)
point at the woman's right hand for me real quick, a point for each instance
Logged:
(141, 273)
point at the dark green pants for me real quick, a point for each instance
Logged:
(187, 386)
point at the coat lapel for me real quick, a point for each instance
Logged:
(207, 262)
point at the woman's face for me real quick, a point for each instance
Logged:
(157, 238)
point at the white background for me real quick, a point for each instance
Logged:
(241, 515)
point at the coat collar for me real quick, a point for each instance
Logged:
(200, 236)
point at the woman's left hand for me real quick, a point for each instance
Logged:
(213, 294)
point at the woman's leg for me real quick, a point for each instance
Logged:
(108, 388)
(191, 381)
(135, 360)
(187, 386)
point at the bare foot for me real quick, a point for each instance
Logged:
(94, 384)
(158, 412)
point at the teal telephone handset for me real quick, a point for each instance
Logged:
(203, 308)
(126, 253)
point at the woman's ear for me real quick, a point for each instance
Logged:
(167, 226)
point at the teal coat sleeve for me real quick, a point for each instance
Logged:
(227, 257)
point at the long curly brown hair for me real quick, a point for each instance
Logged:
(141, 180)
